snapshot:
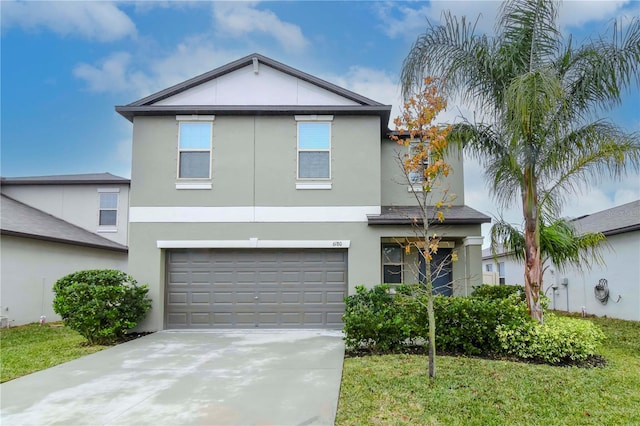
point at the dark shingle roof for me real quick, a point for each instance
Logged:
(82, 179)
(21, 220)
(616, 220)
(406, 215)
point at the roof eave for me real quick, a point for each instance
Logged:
(373, 220)
(122, 249)
(382, 111)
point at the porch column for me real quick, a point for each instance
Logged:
(472, 262)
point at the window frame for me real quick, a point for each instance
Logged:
(502, 273)
(101, 192)
(385, 263)
(328, 122)
(194, 120)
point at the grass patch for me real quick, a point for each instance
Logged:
(30, 348)
(396, 390)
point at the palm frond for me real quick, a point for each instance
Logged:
(597, 73)
(528, 33)
(589, 154)
(454, 53)
(507, 239)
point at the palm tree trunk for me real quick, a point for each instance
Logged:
(533, 262)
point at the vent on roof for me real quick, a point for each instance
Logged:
(255, 65)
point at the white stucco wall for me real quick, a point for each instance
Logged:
(76, 204)
(622, 272)
(31, 267)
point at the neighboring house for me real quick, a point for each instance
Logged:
(261, 196)
(502, 268)
(52, 226)
(618, 281)
(619, 294)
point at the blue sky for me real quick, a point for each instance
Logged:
(65, 65)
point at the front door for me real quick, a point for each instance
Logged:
(441, 272)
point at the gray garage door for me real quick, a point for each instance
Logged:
(215, 288)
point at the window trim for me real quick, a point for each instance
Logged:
(186, 119)
(502, 273)
(321, 182)
(109, 227)
(384, 263)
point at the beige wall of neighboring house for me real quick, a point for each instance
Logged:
(30, 267)
(51, 227)
(78, 204)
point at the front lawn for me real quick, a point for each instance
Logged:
(30, 348)
(395, 389)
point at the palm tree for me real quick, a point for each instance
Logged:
(538, 95)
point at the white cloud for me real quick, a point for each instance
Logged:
(413, 21)
(377, 85)
(101, 21)
(119, 72)
(577, 13)
(237, 19)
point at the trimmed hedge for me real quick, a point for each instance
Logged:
(492, 321)
(101, 305)
(377, 321)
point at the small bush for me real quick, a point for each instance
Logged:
(558, 340)
(372, 320)
(101, 305)
(468, 325)
(487, 291)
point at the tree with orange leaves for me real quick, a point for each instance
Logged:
(424, 167)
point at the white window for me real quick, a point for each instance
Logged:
(194, 160)
(416, 176)
(392, 261)
(314, 150)
(501, 273)
(108, 212)
(489, 267)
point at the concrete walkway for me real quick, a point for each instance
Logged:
(255, 377)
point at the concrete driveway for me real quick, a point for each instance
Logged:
(255, 377)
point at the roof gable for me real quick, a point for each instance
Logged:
(275, 89)
(245, 86)
(237, 82)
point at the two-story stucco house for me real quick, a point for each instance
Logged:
(52, 226)
(261, 196)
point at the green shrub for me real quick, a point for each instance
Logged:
(379, 321)
(372, 320)
(468, 325)
(558, 340)
(101, 305)
(498, 291)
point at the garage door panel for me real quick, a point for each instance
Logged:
(255, 288)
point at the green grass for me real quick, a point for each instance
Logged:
(396, 390)
(30, 348)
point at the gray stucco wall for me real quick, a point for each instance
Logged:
(254, 162)
(395, 186)
(30, 268)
